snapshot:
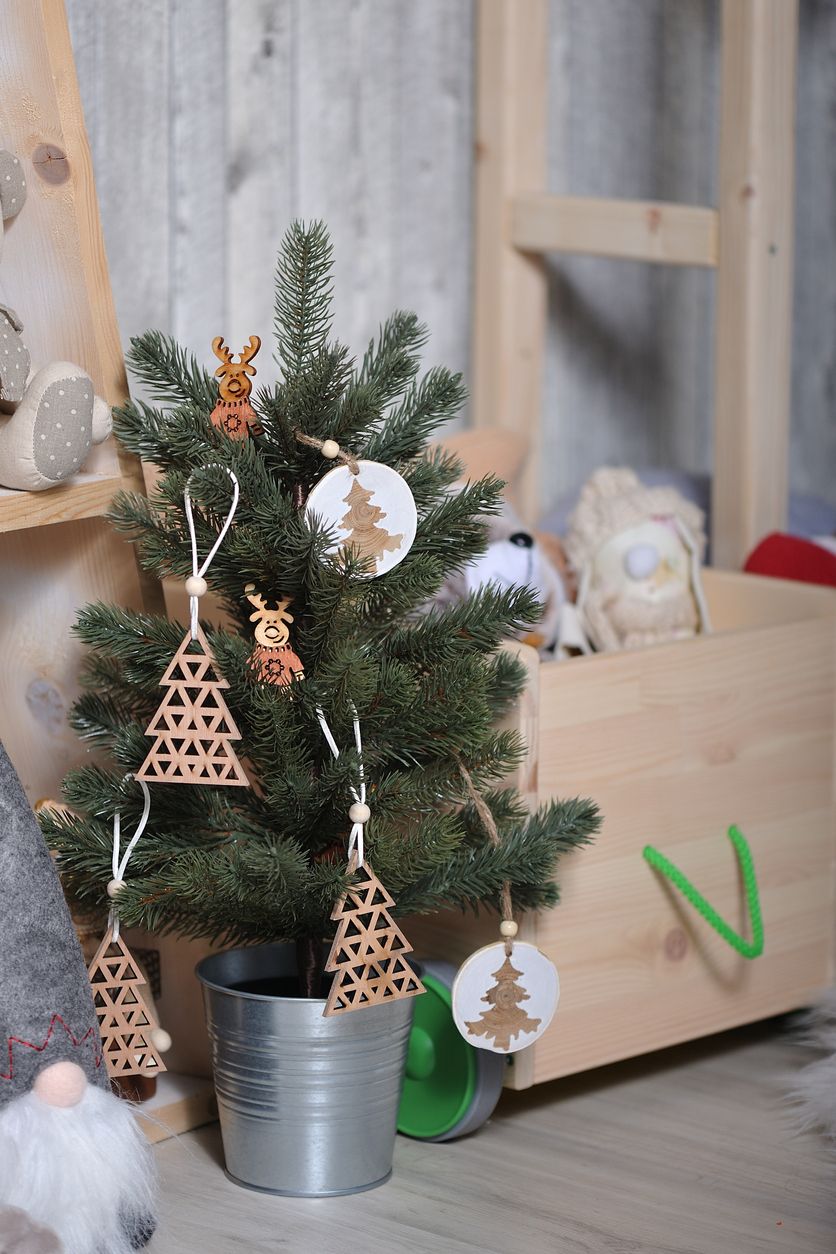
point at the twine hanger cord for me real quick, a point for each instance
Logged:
(198, 571)
(120, 864)
(482, 808)
(356, 836)
(341, 455)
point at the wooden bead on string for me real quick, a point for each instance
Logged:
(359, 812)
(161, 1040)
(196, 586)
(115, 887)
(508, 928)
(330, 449)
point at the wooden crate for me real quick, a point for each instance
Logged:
(675, 743)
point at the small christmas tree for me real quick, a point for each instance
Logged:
(268, 863)
(505, 1019)
(369, 949)
(125, 1022)
(366, 537)
(193, 727)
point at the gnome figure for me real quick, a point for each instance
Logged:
(76, 1173)
(636, 552)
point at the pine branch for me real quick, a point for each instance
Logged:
(171, 373)
(303, 296)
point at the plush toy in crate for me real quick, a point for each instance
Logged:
(637, 553)
(55, 415)
(516, 557)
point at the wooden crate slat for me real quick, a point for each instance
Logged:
(654, 231)
(509, 312)
(754, 277)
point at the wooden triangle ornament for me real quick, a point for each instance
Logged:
(193, 729)
(125, 1021)
(368, 953)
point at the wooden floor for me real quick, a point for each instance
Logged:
(688, 1152)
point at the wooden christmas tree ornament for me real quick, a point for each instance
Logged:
(518, 983)
(272, 658)
(132, 1040)
(193, 729)
(126, 1023)
(520, 990)
(369, 951)
(233, 413)
(371, 511)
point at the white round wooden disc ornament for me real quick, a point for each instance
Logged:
(504, 1003)
(372, 512)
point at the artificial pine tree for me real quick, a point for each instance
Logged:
(268, 863)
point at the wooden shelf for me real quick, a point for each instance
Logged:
(87, 495)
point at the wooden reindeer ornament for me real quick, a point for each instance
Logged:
(272, 659)
(233, 413)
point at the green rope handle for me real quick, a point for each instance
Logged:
(749, 949)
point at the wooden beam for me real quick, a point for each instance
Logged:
(510, 286)
(677, 235)
(754, 285)
(86, 495)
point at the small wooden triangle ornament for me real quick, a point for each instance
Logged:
(369, 950)
(126, 1023)
(193, 729)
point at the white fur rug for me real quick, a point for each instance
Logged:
(815, 1091)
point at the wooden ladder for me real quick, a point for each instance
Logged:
(747, 238)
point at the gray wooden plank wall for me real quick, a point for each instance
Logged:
(213, 122)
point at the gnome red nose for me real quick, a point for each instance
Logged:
(62, 1084)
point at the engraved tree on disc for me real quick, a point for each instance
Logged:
(370, 540)
(125, 1022)
(505, 1019)
(193, 727)
(368, 953)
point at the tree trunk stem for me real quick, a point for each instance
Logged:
(309, 965)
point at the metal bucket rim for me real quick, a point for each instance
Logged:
(235, 992)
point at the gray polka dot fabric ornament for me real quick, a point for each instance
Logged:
(54, 416)
(72, 1157)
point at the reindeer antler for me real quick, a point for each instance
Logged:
(261, 607)
(249, 351)
(256, 599)
(221, 351)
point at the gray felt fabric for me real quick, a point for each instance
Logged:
(21, 1235)
(12, 184)
(62, 433)
(42, 972)
(14, 358)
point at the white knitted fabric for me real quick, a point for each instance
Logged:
(612, 500)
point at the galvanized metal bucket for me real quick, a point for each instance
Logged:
(307, 1105)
